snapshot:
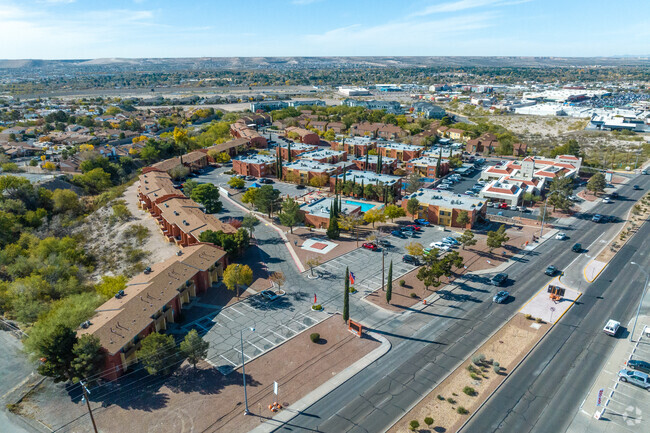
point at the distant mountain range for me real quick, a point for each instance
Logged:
(278, 63)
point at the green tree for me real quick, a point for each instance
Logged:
(88, 358)
(236, 182)
(237, 275)
(249, 196)
(56, 352)
(389, 283)
(413, 207)
(596, 183)
(413, 182)
(496, 239)
(208, 195)
(415, 249)
(559, 191)
(346, 296)
(194, 348)
(267, 199)
(467, 239)
(333, 230)
(249, 222)
(414, 425)
(65, 200)
(446, 121)
(149, 154)
(392, 211)
(157, 353)
(374, 215)
(290, 214)
(189, 186)
(110, 285)
(463, 218)
(94, 181)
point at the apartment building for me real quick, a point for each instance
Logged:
(442, 207)
(400, 151)
(255, 165)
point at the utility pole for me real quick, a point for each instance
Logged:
(90, 411)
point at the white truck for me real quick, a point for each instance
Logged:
(611, 328)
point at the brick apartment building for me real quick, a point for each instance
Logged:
(369, 163)
(232, 148)
(305, 171)
(304, 135)
(240, 129)
(295, 149)
(195, 161)
(357, 146)
(400, 151)
(255, 165)
(317, 213)
(325, 155)
(368, 178)
(151, 301)
(426, 166)
(442, 207)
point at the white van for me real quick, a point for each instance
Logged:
(612, 327)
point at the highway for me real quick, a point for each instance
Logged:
(428, 345)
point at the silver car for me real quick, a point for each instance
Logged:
(635, 378)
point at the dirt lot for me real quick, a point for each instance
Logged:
(633, 223)
(507, 347)
(204, 400)
(476, 258)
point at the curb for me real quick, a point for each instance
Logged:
(288, 414)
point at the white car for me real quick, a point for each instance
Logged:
(440, 246)
(607, 200)
(611, 328)
(443, 186)
(561, 236)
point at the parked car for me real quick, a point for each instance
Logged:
(550, 271)
(636, 187)
(407, 258)
(576, 248)
(422, 222)
(269, 294)
(443, 186)
(503, 206)
(440, 246)
(427, 251)
(266, 180)
(250, 177)
(641, 366)
(414, 227)
(499, 279)
(470, 193)
(301, 186)
(635, 378)
(370, 246)
(561, 236)
(612, 327)
(398, 234)
(450, 240)
(383, 242)
(500, 297)
(597, 218)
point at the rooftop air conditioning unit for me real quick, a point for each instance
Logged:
(147, 270)
(86, 324)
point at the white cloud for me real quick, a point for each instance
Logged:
(462, 5)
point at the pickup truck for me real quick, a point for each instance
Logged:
(612, 327)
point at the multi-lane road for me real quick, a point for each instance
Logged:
(428, 345)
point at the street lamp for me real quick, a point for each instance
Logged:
(383, 254)
(541, 232)
(647, 276)
(243, 368)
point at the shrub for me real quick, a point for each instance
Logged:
(528, 316)
(440, 397)
(413, 425)
(475, 376)
(476, 360)
(496, 364)
(13, 408)
(539, 320)
(481, 357)
(461, 410)
(315, 337)
(451, 400)
(428, 421)
(317, 307)
(496, 368)
(413, 295)
(469, 391)
(402, 283)
(471, 368)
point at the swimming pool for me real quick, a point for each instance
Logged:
(365, 207)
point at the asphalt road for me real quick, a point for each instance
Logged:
(428, 345)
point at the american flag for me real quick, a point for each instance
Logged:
(351, 278)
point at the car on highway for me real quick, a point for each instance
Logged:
(422, 222)
(641, 366)
(369, 246)
(636, 187)
(607, 200)
(576, 248)
(499, 279)
(597, 218)
(612, 327)
(407, 258)
(398, 234)
(550, 270)
(440, 245)
(635, 378)
(500, 297)
(561, 236)
(269, 295)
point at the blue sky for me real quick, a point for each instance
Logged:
(72, 29)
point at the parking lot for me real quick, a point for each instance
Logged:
(623, 406)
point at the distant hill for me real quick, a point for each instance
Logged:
(216, 63)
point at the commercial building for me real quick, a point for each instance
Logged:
(317, 212)
(392, 107)
(353, 91)
(502, 191)
(400, 151)
(254, 165)
(325, 155)
(150, 301)
(428, 110)
(267, 106)
(304, 135)
(442, 207)
(305, 102)
(535, 167)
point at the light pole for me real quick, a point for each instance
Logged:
(383, 254)
(647, 276)
(243, 368)
(541, 232)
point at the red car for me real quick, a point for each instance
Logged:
(414, 227)
(370, 246)
(503, 206)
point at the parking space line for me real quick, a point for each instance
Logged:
(307, 317)
(261, 350)
(299, 323)
(240, 352)
(246, 305)
(264, 338)
(229, 361)
(236, 311)
(278, 335)
(294, 332)
(222, 315)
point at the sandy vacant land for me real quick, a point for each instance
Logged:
(203, 399)
(507, 347)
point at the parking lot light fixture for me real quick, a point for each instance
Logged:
(243, 368)
(645, 287)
